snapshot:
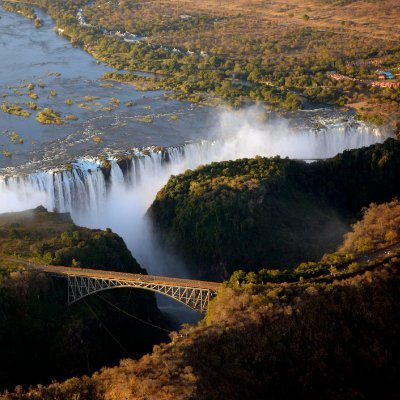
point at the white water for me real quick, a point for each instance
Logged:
(121, 202)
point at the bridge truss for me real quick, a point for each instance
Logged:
(193, 297)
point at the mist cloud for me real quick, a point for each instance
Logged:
(12, 201)
(236, 135)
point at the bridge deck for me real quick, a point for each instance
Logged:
(101, 274)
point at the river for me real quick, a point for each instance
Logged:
(30, 55)
(190, 135)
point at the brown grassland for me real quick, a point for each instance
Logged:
(277, 53)
(257, 19)
(286, 45)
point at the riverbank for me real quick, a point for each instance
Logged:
(27, 12)
(134, 119)
(193, 74)
(107, 118)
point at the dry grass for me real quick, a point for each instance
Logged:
(261, 18)
(247, 29)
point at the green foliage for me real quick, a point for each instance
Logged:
(33, 95)
(309, 269)
(48, 116)
(276, 67)
(14, 109)
(54, 239)
(22, 9)
(279, 66)
(6, 153)
(26, 11)
(379, 228)
(260, 212)
(38, 23)
(255, 340)
(32, 105)
(41, 338)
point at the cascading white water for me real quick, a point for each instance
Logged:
(120, 200)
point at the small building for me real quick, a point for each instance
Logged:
(385, 75)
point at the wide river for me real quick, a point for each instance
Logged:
(60, 72)
(30, 55)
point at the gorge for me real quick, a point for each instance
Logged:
(127, 177)
(112, 183)
(116, 192)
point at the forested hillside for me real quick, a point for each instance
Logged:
(41, 337)
(331, 337)
(304, 256)
(275, 213)
(54, 239)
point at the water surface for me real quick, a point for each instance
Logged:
(40, 55)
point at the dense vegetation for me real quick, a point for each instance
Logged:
(49, 117)
(54, 239)
(41, 338)
(14, 109)
(379, 228)
(27, 12)
(278, 53)
(375, 237)
(327, 339)
(324, 329)
(275, 213)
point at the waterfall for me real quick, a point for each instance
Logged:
(116, 193)
(83, 188)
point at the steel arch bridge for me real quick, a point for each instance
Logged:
(83, 282)
(196, 298)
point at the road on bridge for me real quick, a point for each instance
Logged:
(101, 274)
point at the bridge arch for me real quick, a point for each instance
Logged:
(83, 282)
(195, 298)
